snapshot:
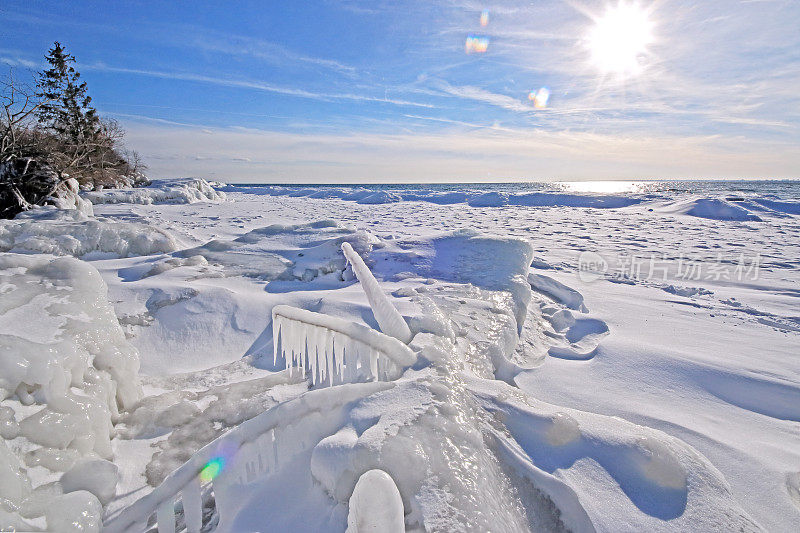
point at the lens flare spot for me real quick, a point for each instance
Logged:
(485, 18)
(539, 97)
(476, 44)
(212, 469)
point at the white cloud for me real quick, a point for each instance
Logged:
(457, 155)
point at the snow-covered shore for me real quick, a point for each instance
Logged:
(619, 362)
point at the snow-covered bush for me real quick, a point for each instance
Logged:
(66, 372)
(182, 191)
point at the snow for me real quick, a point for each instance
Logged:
(474, 198)
(529, 396)
(714, 209)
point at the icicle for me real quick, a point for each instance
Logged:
(340, 362)
(301, 343)
(373, 363)
(276, 333)
(315, 335)
(329, 367)
(332, 350)
(165, 517)
(347, 363)
(313, 363)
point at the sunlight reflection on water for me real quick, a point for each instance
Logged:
(607, 187)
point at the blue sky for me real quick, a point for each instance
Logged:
(385, 91)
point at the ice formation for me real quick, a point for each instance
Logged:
(66, 371)
(186, 191)
(375, 505)
(389, 320)
(258, 448)
(68, 197)
(330, 347)
(287, 251)
(50, 230)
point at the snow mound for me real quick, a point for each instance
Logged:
(489, 262)
(489, 199)
(63, 384)
(714, 209)
(381, 197)
(472, 198)
(287, 252)
(50, 230)
(790, 208)
(540, 199)
(655, 476)
(183, 191)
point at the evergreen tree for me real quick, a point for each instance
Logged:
(67, 109)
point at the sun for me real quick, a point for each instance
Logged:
(619, 39)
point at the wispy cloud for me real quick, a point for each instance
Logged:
(263, 50)
(18, 62)
(481, 95)
(250, 84)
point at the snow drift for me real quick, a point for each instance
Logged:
(711, 208)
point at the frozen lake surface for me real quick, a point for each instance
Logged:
(610, 356)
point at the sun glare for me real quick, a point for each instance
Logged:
(619, 39)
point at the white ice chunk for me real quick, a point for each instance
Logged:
(376, 505)
(75, 512)
(96, 476)
(388, 318)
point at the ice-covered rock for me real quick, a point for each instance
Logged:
(66, 372)
(77, 512)
(375, 505)
(94, 475)
(67, 196)
(50, 230)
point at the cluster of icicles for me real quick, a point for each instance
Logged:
(330, 356)
(339, 351)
